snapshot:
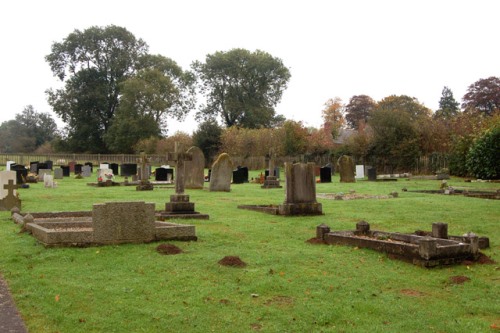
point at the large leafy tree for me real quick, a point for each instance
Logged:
(40, 125)
(92, 63)
(333, 115)
(15, 138)
(448, 106)
(208, 138)
(483, 96)
(242, 87)
(358, 110)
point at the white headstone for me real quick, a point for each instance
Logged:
(8, 164)
(360, 171)
(104, 174)
(5, 176)
(104, 166)
(43, 172)
(48, 181)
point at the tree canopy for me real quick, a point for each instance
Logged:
(358, 110)
(242, 87)
(448, 106)
(483, 96)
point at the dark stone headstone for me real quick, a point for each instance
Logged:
(78, 169)
(114, 167)
(50, 164)
(276, 172)
(91, 166)
(42, 166)
(325, 175)
(372, 173)
(21, 173)
(161, 174)
(170, 174)
(34, 167)
(66, 170)
(128, 169)
(240, 175)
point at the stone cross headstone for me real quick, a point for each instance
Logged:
(300, 190)
(222, 171)
(5, 178)
(271, 180)
(345, 165)
(145, 163)
(10, 200)
(179, 158)
(195, 169)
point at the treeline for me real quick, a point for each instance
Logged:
(118, 98)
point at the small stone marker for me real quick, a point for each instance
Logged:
(222, 171)
(360, 171)
(42, 173)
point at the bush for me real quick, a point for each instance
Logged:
(483, 159)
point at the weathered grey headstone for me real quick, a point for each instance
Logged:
(48, 181)
(345, 165)
(87, 171)
(42, 173)
(222, 171)
(300, 190)
(58, 173)
(195, 169)
(123, 222)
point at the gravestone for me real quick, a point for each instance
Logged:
(372, 174)
(104, 174)
(195, 169)
(8, 196)
(128, 170)
(114, 167)
(48, 181)
(360, 171)
(300, 192)
(8, 165)
(104, 166)
(42, 173)
(345, 165)
(161, 174)
(240, 175)
(144, 173)
(87, 171)
(220, 178)
(49, 164)
(78, 169)
(123, 222)
(66, 170)
(72, 166)
(21, 173)
(34, 167)
(91, 167)
(272, 174)
(325, 175)
(58, 173)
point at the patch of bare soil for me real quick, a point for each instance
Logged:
(412, 292)
(233, 261)
(459, 279)
(279, 300)
(168, 249)
(315, 240)
(351, 196)
(482, 260)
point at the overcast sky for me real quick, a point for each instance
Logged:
(332, 48)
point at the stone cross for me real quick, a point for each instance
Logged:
(179, 157)
(271, 162)
(144, 162)
(10, 187)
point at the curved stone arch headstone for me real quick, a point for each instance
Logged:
(195, 169)
(345, 165)
(222, 171)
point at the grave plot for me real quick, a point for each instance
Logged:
(494, 195)
(426, 250)
(108, 223)
(354, 196)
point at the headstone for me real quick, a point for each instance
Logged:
(240, 175)
(21, 173)
(48, 181)
(58, 173)
(72, 166)
(5, 177)
(91, 167)
(34, 167)
(276, 172)
(360, 171)
(8, 164)
(104, 174)
(50, 164)
(43, 172)
(300, 193)
(114, 167)
(87, 171)
(195, 169)
(345, 165)
(222, 169)
(325, 174)
(144, 173)
(104, 166)
(372, 173)
(272, 174)
(161, 174)
(66, 170)
(78, 169)
(121, 222)
(128, 170)
(11, 199)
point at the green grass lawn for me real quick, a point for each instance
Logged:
(288, 284)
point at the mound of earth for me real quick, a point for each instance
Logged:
(232, 261)
(315, 240)
(168, 249)
(483, 259)
(459, 279)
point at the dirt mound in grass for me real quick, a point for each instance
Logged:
(168, 249)
(483, 259)
(459, 279)
(232, 261)
(315, 240)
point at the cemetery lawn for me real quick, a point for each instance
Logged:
(288, 285)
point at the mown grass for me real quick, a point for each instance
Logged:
(288, 285)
